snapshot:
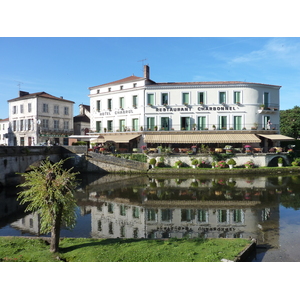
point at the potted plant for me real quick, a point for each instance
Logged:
(152, 162)
(213, 164)
(231, 162)
(194, 148)
(249, 165)
(214, 127)
(194, 163)
(178, 164)
(280, 161)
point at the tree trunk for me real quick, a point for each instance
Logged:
(55, 232)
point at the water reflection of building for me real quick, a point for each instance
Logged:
(151, 220)
(28, 224)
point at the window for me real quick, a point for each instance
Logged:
(56, 124)
(266, 120)
(134, 85)
(222, 97)
(22, 141)
(151, 214)
(187, 215)
(111, 228)
(109, 104)
(121, 125)
(266, 99)
(45, 107)
(121, 87)
(135, 212)
(222, 216)
(98, 126)
(45, 123)
(135, 124)
(66, 111)
(21, 108)
(66, 125)
(201, 98)
(56, 109)
(29, 107)
(14, 125)
(135, 233)
(122, 231)
(237, 120)
(110, 125)
(98, 91)
(122, 210)
(237, 216)
(135, 101)
(122, 103)
(185, 123)
(166, 215)
(223, 122)
(164, 99)
(164, 123)
(185, 98)
(15, 110)
(237, 97)
(110, 208)
(201, 123)
(150, 99)
(21, 125)
(99, 225)
(202, 215)
(150, 123)
(98, 105)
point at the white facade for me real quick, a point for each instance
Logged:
(138, 104)
(39, 118)
(4, 132)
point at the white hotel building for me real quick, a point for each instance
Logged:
(138, 111)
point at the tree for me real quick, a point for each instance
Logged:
(48, 190)
(290, 122)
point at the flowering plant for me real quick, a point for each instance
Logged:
(194, 146)
(249, 164)
(290, 150)
(221, 164)
(228, 147)
(202, 164)
(144, 147)
(179, 163)
(247, 146)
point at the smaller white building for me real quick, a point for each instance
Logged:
(4, 132)
(39, 118)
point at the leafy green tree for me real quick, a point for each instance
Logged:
(49, 191)
(290, 122)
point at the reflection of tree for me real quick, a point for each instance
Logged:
(290, 200)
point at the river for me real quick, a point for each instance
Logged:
(111, 206)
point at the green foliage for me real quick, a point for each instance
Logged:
(79, 143)
(122, 250)
(194, 162)
(231, 162)
(152, 161)
(290, 122)
(49, 191)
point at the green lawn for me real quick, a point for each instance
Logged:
(121, 250)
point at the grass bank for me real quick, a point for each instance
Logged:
(20, 249)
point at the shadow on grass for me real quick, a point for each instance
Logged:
(105, 242)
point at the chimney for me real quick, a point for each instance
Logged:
(22, 93)
(146, 71)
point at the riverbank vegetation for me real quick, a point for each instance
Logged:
(21, 249)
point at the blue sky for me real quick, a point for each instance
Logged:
(68, 66)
